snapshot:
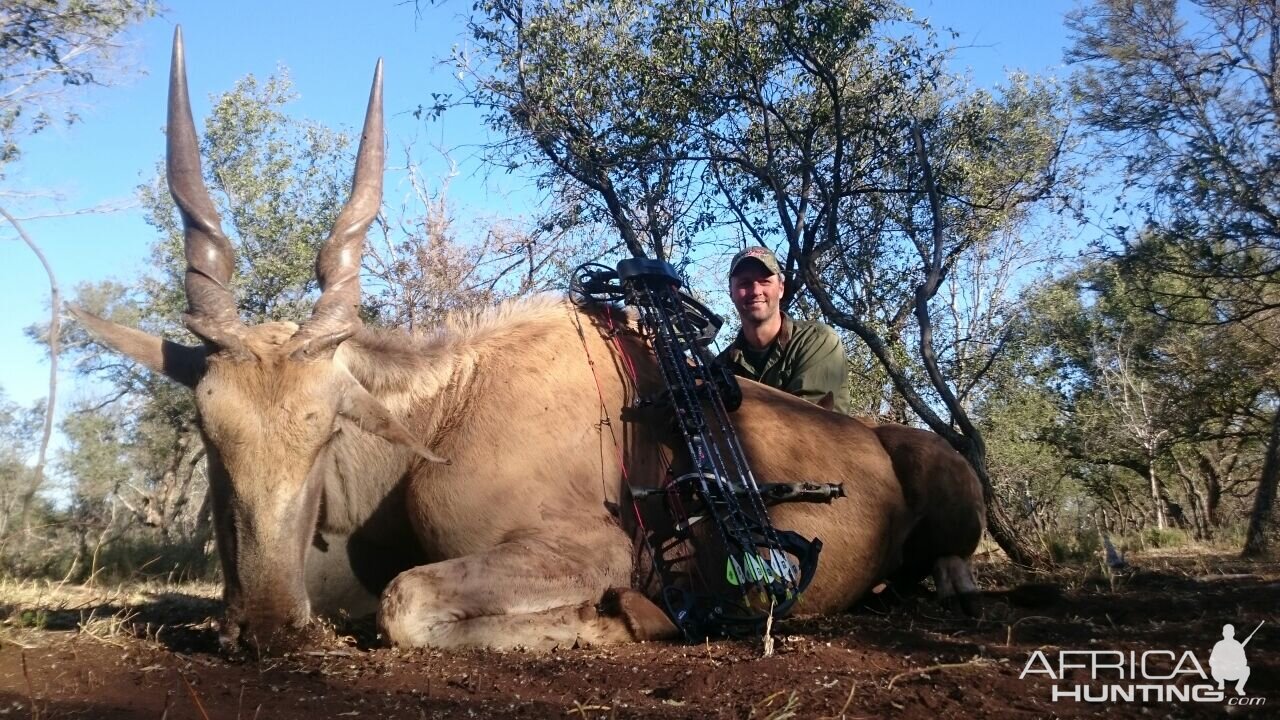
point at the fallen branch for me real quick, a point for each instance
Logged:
(768, 632)
(582, 710)
(786, 712)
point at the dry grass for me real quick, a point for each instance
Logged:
(1190, 559)
(785, 711)
(104, 613)
(69, 596)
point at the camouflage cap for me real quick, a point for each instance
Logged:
(762, 255)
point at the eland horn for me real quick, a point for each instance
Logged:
(336, 315)
(211, 308)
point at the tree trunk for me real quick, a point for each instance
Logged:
(1193, 497)
(999, 525)
(1124, 507)
(51, 402)
(1156, 495)
(1035, 517)
(184, 497)
(1213, 500)
(1205, 497)
(1199, 513)
(79, 570)
(176, 486)
(1261, 521)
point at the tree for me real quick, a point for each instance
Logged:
(619, 137)
(1183, 100)
(19, 433)
(801, 125)
(48, 47)
(51, 402)
(278, 183)
(1159, 420)
(1035, 479)
(422, 268)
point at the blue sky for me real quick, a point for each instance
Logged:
(330, 48)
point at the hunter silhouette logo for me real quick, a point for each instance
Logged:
(1228, 663)
(1097, 676)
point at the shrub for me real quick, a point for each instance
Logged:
(1079, 546)
(1153, 538)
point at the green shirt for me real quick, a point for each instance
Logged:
(806, 359)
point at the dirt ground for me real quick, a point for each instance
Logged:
(151, 652)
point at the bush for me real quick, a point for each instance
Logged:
(1230, 537)
(55, 554)
(1080, 546)
(144, 558)
(1153, 538)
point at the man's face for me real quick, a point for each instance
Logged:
(756, 293)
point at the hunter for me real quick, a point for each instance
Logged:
(802, 357)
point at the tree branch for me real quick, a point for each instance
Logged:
(55, 332)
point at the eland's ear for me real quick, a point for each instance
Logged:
(827, 402)
(177, 362)
(370, 415)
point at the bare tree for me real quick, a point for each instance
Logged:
(423, 267)
(55, 319)
(1139, 409)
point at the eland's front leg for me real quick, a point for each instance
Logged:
(540, 592)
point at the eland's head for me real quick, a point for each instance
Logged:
(270, 398)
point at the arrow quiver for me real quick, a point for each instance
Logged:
(720, 565)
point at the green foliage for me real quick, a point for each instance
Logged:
(1099, 399)
(34, 618)
(48, 47)
(95, 453)
(20, 429)
(1033, 477)
(622, 136)
(1178, 98)
(1181, 98)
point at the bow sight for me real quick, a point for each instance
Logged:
(721, 566)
